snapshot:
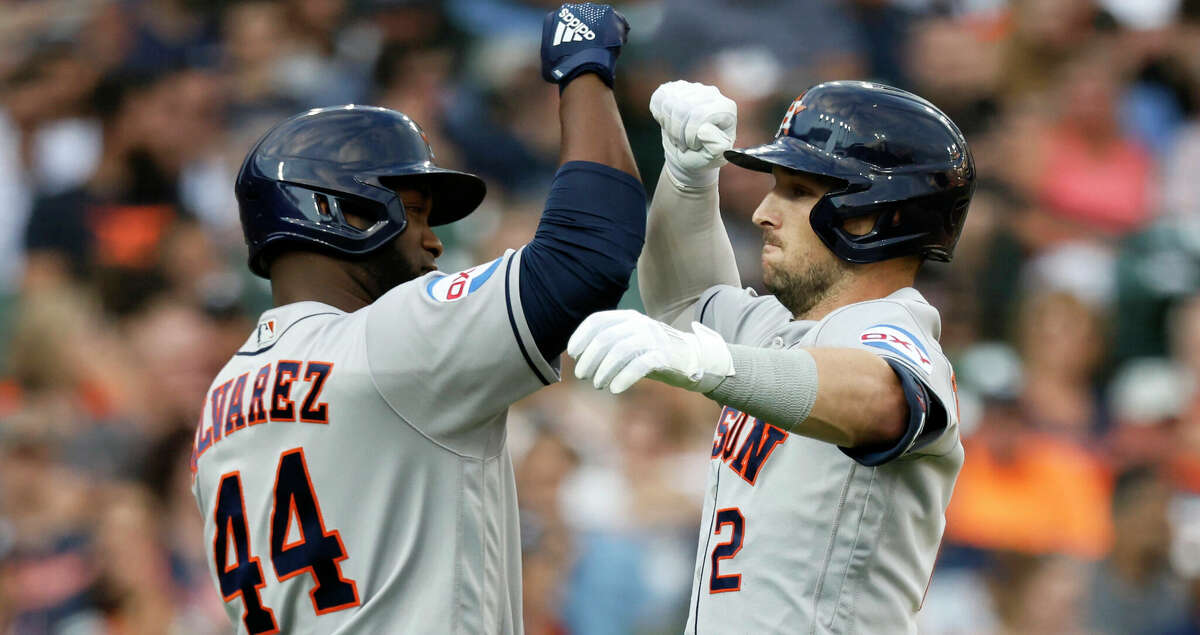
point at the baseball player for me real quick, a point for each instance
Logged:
(837, 449)
(350, 462)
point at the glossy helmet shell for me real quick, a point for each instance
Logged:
(891, 152)
(298, 182)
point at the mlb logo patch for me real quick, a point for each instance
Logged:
(458, 286)
(266, 332)
(898, 342)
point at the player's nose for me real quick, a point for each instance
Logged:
(433, 244)
(765, 215)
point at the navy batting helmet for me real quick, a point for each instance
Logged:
(892, 152)
(298, 182)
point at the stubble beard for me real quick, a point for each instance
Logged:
(803, 288)
(387, 269)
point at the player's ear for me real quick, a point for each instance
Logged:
(860, 225)
(357, 222)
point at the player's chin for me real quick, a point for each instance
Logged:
(768, 274)
(770, 257)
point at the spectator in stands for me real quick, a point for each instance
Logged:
(1062, 344)
(1089, 172)
(1039, 595)
(1027, 492)
(116, 220)
(1133, 590)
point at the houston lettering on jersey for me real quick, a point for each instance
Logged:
(744, 443)
(242, 402)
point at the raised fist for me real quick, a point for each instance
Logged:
(698, 125)
(582, 38)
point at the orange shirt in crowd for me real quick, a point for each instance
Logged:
(1044, 496)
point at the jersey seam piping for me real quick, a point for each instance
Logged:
(388, 402)
(854, 547)
(512, 322)
(458, 564)
(280, 336)
(705, 556)
(820, 585)
(889, 512)
(705, 306)
(918, 454)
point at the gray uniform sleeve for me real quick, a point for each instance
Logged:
(902, 332)
(687, 251)
(451, 351)
(740, 315)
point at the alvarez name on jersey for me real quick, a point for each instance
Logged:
(351, 467)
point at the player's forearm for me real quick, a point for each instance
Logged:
(842, 396)
(594, 225)
(687, 251)
(591, 126)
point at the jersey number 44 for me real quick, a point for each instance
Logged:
(315, 551)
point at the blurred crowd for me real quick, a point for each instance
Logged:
(1072, 310)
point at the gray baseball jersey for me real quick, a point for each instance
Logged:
(352, 470)
(799, 537)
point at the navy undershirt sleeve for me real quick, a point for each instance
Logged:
(585, 249)
(927, 419)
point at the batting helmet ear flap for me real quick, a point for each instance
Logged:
(903, 227)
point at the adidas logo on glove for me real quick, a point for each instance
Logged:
(571, 29)
(580, 38)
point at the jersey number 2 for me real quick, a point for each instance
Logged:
(718, 583)
(315, 551)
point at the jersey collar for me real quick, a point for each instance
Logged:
(272, 323)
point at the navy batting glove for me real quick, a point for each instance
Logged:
(582, 38)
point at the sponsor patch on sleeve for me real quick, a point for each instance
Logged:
(450, 288)
(898, 342)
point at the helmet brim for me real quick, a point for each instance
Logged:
(455, 194)
(790, 153)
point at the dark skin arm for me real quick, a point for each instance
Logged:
(591, 126)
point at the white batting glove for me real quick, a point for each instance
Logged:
(614, 349)
(698, 125)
